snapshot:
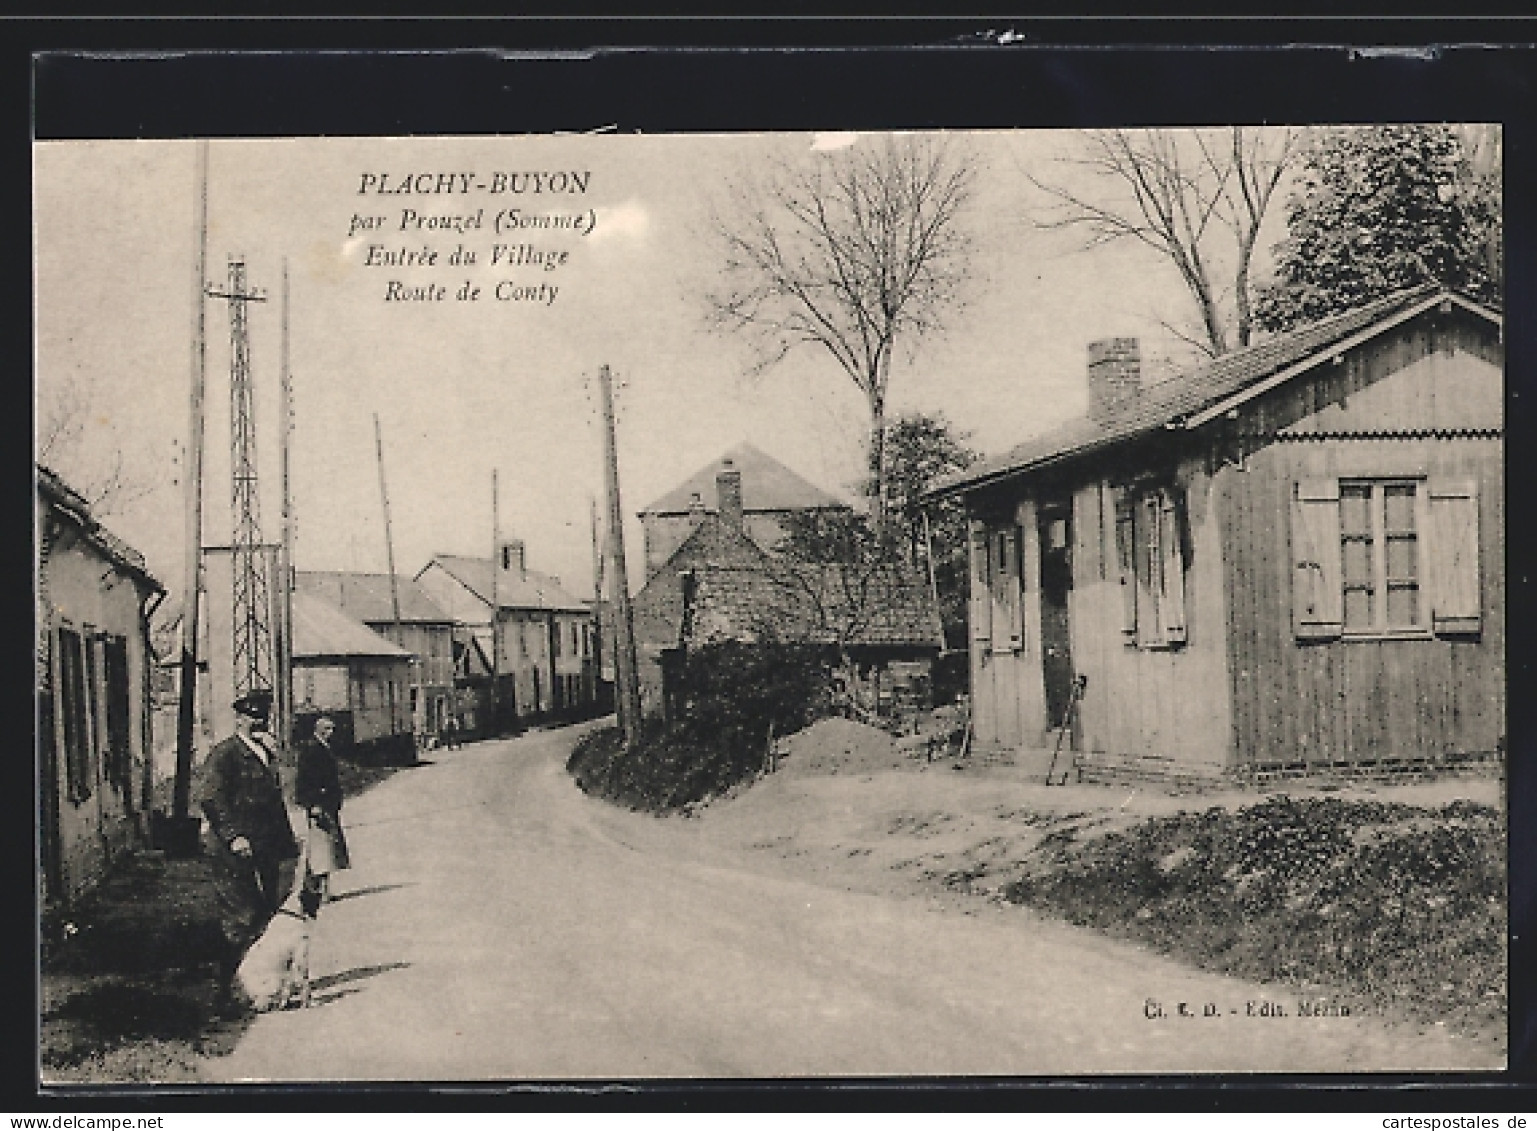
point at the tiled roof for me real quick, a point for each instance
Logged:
(1169, 402)
(322, 631)
(767, 485)
(534, 590)
(892, 607)
(66, 499)
(367, 597)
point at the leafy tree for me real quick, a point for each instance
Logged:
(1378, 209)
(1198, 197)
(856, 252)
(923, 449)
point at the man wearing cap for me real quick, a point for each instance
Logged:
(246, 831)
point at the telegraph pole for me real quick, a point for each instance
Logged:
(496, 569)
(389, 548)
(624, 631)
(186, 716)
(285, 680)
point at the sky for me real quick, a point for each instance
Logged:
(460, 388)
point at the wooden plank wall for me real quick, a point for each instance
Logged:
(1145, 707)
(1424, 401)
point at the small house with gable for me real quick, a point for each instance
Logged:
(1286, 560)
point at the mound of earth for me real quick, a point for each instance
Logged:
(838, 746)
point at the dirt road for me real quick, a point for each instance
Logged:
(499, 924)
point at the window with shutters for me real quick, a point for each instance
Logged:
(119, 756)
(75, 708)
(1150, 557)
(1385, 557)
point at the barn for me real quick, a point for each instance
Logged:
(1288, 560)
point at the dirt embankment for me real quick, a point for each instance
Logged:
(1389, 895)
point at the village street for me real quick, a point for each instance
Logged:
(499, 924)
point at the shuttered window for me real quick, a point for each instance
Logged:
(1385, 557)
(119, 757)
(1151, 560)
(1007, 635)
(75, 707)
(981, 574)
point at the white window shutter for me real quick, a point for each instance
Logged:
(1452, 547)
(981, 598)
(1171, 603)
(1317, 583)
(1126, 561)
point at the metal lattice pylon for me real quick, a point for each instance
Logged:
(252, 657)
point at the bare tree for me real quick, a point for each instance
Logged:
(96, 470)
(855, 252)
(1196, 196)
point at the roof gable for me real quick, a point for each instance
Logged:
(767, 485)
(367, 596)
(534, 590)
(1207, 391)
(321, 630)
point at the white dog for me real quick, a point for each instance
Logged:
(275, 972)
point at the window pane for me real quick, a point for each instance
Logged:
(1403, 559)
(1355, 515)
(1358, 608)
(1403, 607)
(1358, 561)
(1398, 499)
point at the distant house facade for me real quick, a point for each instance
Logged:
(94, 599)
(719, 584)
(1288, 560)
(770, 492)
(544, 640)
(343, 669)
(424, 630)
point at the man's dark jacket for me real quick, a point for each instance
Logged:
(241, 796)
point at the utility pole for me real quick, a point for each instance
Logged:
(285, 643)
(186, 715)
(389, 542)
(597, 599)
(628, 703)
(496, 569)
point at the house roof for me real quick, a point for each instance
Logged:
(1192, 398)
(740, 592)
(65, 499)
(323, 631)
(767, 485)
(534, 590)
(367, 597)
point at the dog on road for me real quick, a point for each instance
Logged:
(275, 972)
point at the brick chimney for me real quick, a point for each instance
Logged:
(513, 560)
(1115, 376)
(728, 489)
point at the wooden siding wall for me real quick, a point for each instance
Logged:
(1162, 709)
(1423, 401)
(1009, 708)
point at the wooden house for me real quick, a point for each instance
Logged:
(94, 600)
(343, 669)
(719, 584)
(423, 629)
(1287, 560)
(770, 492)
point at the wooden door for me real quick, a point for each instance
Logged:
(1056, 541)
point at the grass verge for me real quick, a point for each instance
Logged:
(1402, 908)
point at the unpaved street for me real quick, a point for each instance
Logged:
(498, 924)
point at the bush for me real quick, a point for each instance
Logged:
(729, 697)
(1397, 904)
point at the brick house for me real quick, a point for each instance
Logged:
(770, 491)
(344, 669)
(720, 584)
(1287, 560)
